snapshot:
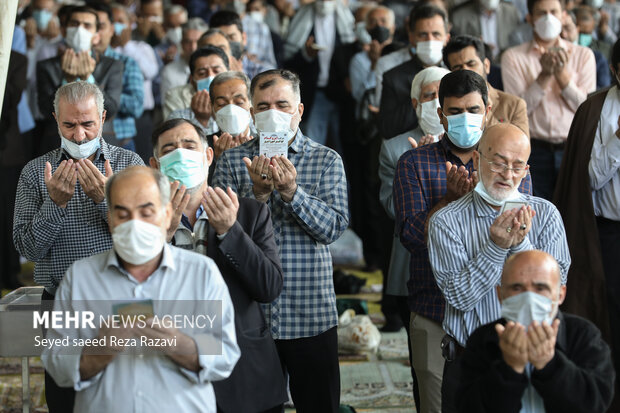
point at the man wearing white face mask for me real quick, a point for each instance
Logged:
(554, 77)
(237, 233)
(230, 99)
(428, 34)
(79, 62)
(178, 377)
(424, 97)
(60, 213)
(306, 191)
(469, 240)
(535, 359)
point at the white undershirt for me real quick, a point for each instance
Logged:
(325, 36)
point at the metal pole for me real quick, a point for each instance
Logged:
(25, 385)
(8, 12)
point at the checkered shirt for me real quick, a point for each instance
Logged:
(419, 184)
(132, 96)
(55, 237)
(303, 228)
(259, 40)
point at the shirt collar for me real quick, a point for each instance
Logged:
(104, 150)
(167, 260)
(298, 143)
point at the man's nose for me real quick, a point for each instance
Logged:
(79, 135)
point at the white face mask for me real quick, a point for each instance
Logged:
(79, 39)
(325, 7)
(489, 198)
(430, 53)
(232, 119)
(257, 16)
(428, 118)
(137, 241)
(273, 120)
(527, 307)
(548, 27)
(175, 35)
(83, 150)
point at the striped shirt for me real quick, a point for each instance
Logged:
(468, 266)
(419, 184)
(55, 237)
(303, 228)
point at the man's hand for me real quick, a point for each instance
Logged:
(458, 182)
(524, 216)
(32, 32)
(69, 65)
(258, 168)
(95, 358)
(513, 344)
(86, 65)
(561, 72)
(547, 63)
(541, 340)
(183, 352)
(201, 106)
(224, 142)
(170, 53)
(61, 185)
(284, 175)
(221, 207)
(311, 51)
(618, 130)
(179, 202)
(374, 51)
(93, 181)
(504, 229)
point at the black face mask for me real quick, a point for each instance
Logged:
(379, 33)
(236, 49)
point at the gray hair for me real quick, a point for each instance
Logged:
(79, 91)
(174, 9)
(118, 6)
(225, 77)
(424, 77)
(390, 12)
(162, 183)
(195, 23)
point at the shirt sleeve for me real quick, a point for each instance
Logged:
(604, 161)
(324, 215)
(464, 280)
(132, 95)
(148, 64)
(387, 169)
(362, 78)
(37, 220)
(410, 206)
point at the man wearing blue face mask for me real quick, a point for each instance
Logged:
(237, 234)
(535, 358)
(191, 101)
(60, 213)
(469, 240)
(426, 180)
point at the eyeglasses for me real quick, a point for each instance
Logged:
(502, 167)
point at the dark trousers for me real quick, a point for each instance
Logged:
(545, 161)
(450, 381)
(314, 373)
(59, 399)
(144, 126)
(609, 235)
(405, 315)
(9, 258)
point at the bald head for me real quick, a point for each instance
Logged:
(534, 271)
(504, 134)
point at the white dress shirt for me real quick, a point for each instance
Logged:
(134, 383)
(325, 36)
(488, 30)
(174, 74)
(605, 160)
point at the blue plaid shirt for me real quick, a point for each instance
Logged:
(303, 228)
(259, 41)
(132, 96)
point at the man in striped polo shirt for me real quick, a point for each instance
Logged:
(469, 241)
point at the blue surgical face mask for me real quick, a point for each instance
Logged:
(584, 39)
(464, 129)
(118, 28)
(204, 84)
(42, 18)
(527, 307)
(186, 166)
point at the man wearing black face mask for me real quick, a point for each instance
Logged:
(230, 25)
(380, 26)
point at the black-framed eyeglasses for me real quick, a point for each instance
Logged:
(502, 167)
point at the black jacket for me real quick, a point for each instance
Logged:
(579, 378)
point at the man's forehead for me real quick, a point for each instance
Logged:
(209, 61)
(138, 188)
(274, 87)
(465, 101)
(180, 133)
(431, 23)
(82, 107)
(230, 87)
(82, 17)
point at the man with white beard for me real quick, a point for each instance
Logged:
(469, 240)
